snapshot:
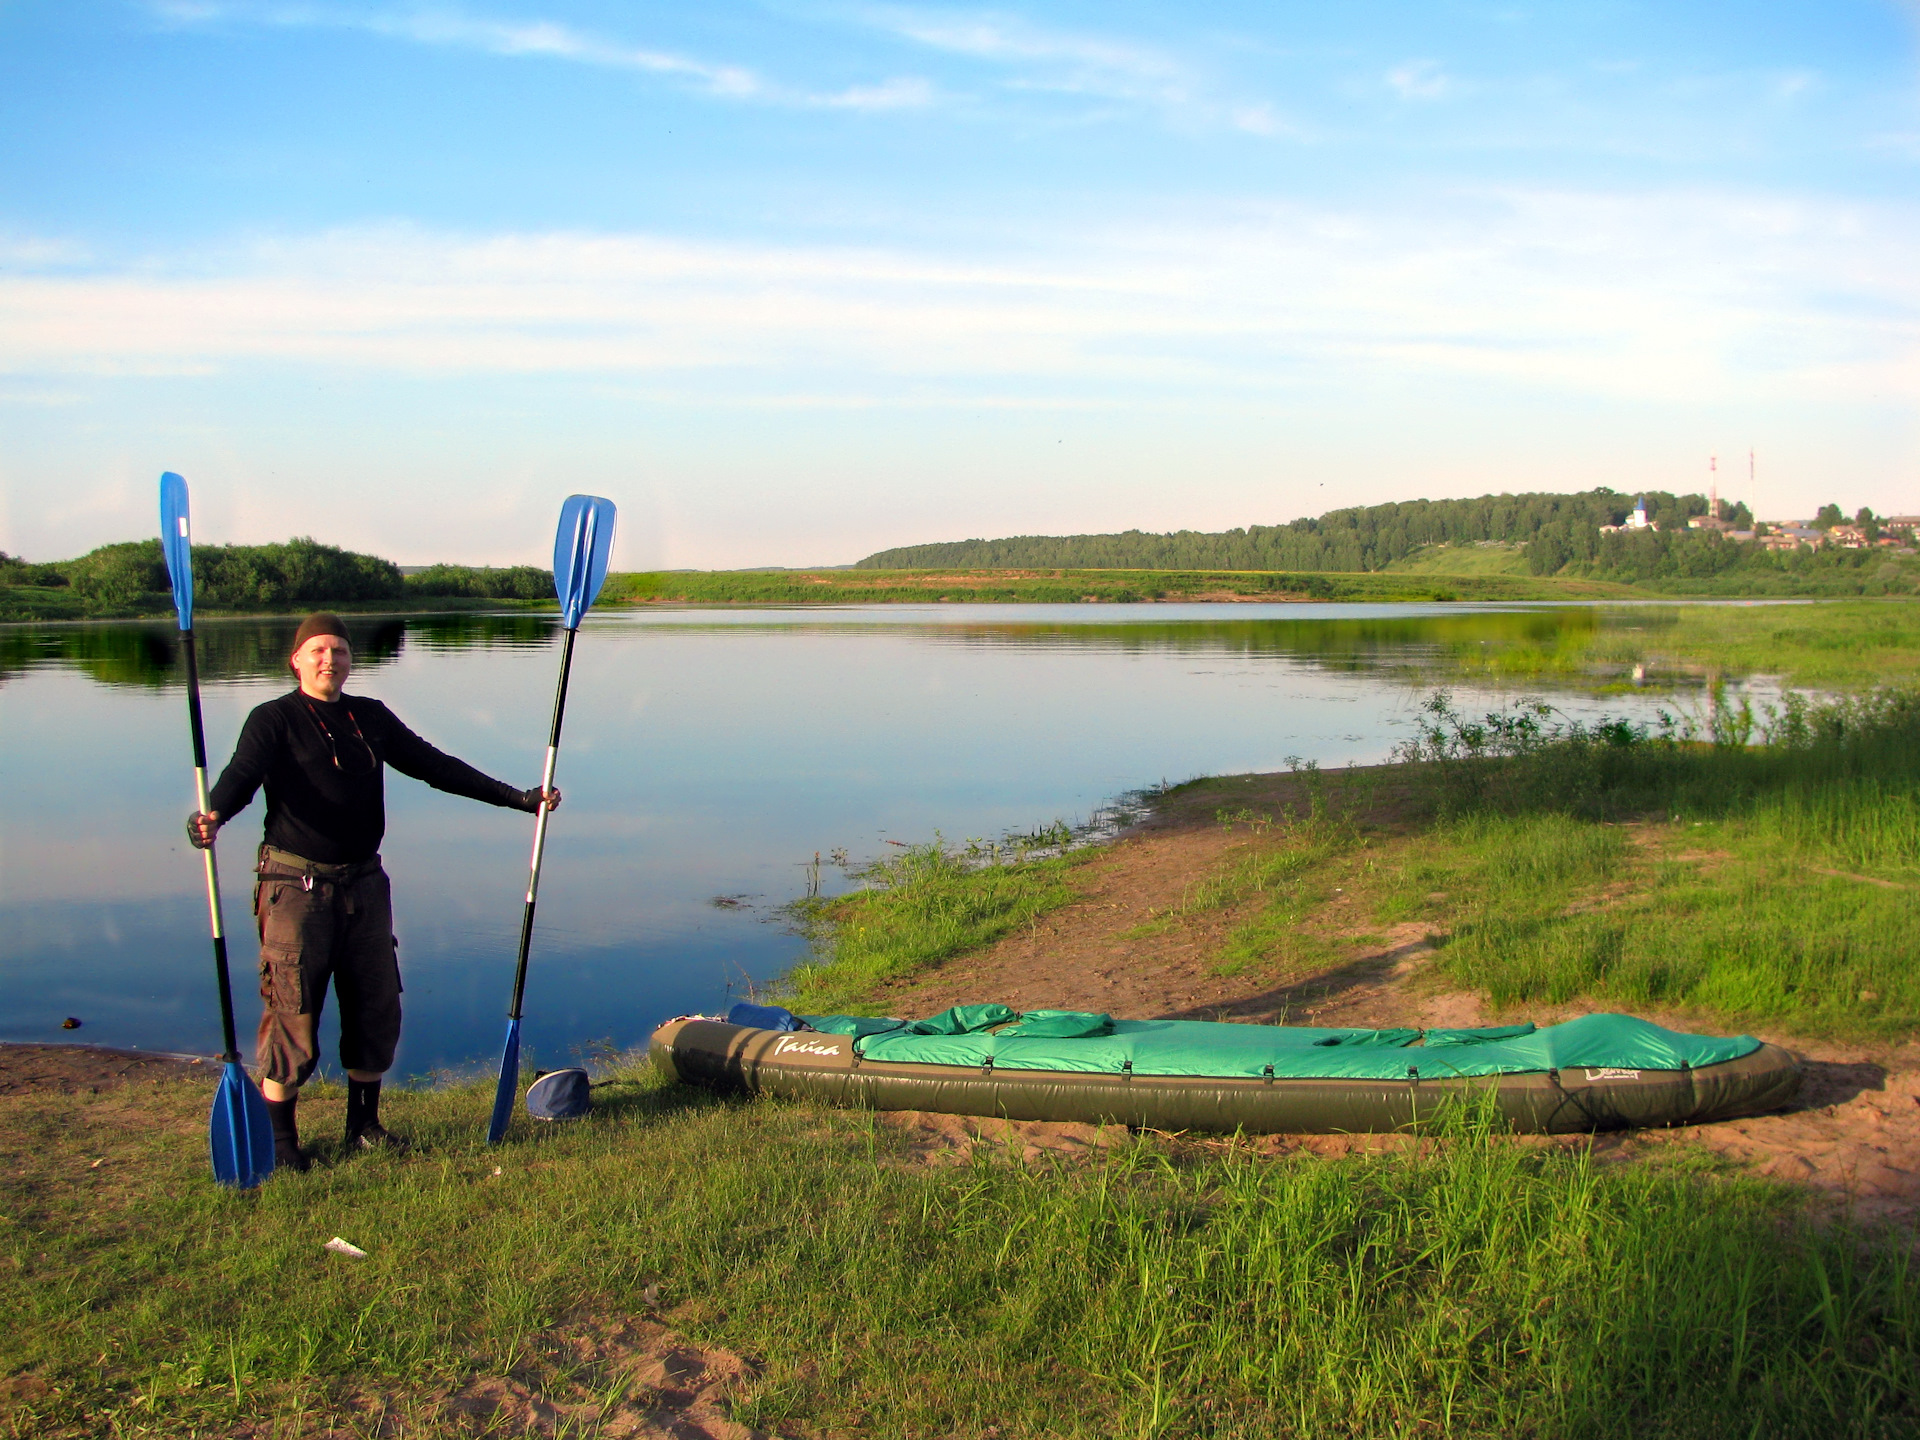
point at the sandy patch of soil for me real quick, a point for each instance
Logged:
(90, 1069)
(1083, 958)
(933, 1139)
(630, 1379)
(1853, 1134)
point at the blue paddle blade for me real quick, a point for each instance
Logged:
(507, 1086)
(582, 548)
(176, 543)
(239, 1132)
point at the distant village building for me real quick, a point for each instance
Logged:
(1792, 537)
(1636, 521)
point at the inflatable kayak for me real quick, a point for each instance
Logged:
(1599, 1072)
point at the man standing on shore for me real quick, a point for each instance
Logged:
(322, 901)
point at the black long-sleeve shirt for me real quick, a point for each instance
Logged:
(336, 813)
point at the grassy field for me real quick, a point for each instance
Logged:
(862, 587)
(1477, 1288)
(1842, 645)
(1489, 559)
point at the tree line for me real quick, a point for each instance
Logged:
(1559, 535)
(132, 575)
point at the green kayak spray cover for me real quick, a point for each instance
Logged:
(1074, 1041)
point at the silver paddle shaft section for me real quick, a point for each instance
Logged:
(213, 866)
(539, 825)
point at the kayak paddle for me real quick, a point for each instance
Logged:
(581, 550)
(239, 1134)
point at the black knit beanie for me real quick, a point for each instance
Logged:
(321, 622)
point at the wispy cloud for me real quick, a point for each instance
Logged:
(1655, 296)
(1420, 80)
(1124, 68)
(1076, 63)
(546, 40)
(904, 93)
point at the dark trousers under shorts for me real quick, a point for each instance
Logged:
(313, 931)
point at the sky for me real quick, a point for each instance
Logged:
(795, 282)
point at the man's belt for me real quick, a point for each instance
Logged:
(311, 870)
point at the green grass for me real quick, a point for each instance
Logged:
(848, 587)
(1839, 645)
(1474, 1288)
(915, 910)
(1463, 560)
(1772, 884)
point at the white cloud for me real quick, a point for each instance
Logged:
(1038, 59)
(1663, 297)
(545, 40)
(1008, 39)
(901, 93)
(1794, 84)
(1420, 80)
(552, 41)
(1260, 120)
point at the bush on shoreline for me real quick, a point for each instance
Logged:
(130, 579)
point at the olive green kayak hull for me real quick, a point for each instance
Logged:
(806, 1065)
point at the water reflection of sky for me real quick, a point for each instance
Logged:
(707, 753)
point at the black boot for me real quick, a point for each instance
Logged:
(364, 1130)
(287, 1154)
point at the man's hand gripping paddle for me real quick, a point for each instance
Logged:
(581, 550)
(239, 1134)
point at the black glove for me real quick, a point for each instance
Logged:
(193, 831)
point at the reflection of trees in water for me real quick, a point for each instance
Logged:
(1337, 643)
(483, 632)
(1533, 641)
(149, 654)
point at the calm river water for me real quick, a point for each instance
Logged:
(708, 755)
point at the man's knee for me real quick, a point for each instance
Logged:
(287, 1048)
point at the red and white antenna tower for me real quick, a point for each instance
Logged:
(1713, 487)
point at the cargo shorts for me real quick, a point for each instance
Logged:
(314, 931)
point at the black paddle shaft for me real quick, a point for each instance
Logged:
(232, 1053)
(540, 836)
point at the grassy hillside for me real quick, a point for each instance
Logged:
(1563, 536)
(1485, 558)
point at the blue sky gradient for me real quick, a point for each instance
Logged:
(794, 282)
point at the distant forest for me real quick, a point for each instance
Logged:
(1560, 535)
(131, 578)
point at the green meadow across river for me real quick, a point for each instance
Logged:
(1742, 869)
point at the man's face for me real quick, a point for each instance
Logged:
(323, 664)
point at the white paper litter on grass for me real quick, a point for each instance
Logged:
(341, 1247)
